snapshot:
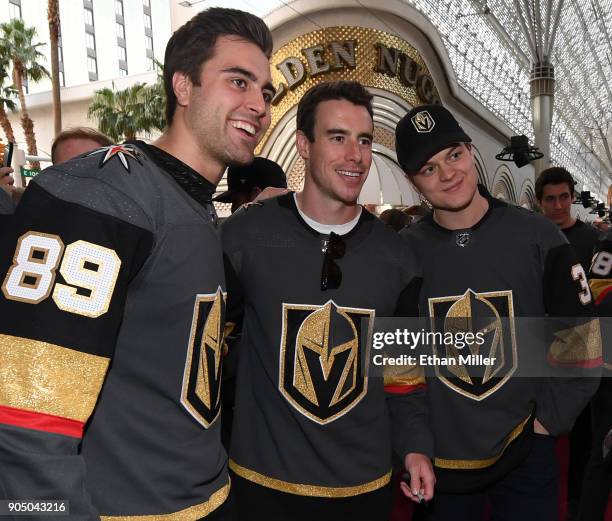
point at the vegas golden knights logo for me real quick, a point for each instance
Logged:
(202, 378)
(423, 122)
(323, 359)
(491, 315)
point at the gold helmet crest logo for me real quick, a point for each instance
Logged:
(423, 122)
(314, 336)
(212, 342)
(487, 315)
(201, 391)
(322, 365)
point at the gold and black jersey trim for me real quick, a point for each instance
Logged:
(46, 378)
(308, 490)
(188, 514)
(481, 463)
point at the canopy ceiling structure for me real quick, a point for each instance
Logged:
(492, 45)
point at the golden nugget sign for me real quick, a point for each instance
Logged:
(374, 58)
(340, 55)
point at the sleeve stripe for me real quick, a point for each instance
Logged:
(403, 389)
(585, 364)
(40, 422)
(600, 289)
(578, 346)
(46, 378)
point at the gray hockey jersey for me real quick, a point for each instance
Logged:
(307, 419)
(511, 264)
(111, 319)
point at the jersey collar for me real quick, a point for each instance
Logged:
(196, 186)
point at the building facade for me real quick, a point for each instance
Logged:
(103, 43)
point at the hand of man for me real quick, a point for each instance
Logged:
(270, 191)
(538, 428)
(422, 478)
(6, 180)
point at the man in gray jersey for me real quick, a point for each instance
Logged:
(112, 302)
(313, 434)
(486, 263)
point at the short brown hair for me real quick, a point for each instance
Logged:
(352, 91)
(555, 175)
(194, 42)
(79, 133)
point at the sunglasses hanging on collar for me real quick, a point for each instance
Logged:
(331, 275)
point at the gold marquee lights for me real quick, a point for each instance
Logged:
(374, 58)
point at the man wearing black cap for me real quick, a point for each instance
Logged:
(487, 262)
(246, 182)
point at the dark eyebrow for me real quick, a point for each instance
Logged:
(344, 132)
(331, 131)
(250, 76)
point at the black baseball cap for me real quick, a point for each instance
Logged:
(262, 172)
(423, 132)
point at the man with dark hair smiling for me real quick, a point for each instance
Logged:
(485, 263)
(112, 301)
(313, 433)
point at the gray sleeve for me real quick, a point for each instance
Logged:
(53, 470)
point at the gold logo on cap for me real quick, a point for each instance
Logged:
(423, 122)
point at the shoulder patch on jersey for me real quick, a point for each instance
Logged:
(123, 152)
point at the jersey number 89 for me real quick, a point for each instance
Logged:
(90, 272)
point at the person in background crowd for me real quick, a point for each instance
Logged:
(395, 219)
(554, 190)
(597, 483)
(6, 190)
(246, 183)
(112, 304)
(73, 142)
(493, 434)
(313, 433)
(601, 225)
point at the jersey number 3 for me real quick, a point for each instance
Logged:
(579, 275)
(90, 272)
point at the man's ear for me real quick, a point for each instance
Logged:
(181, 85)
(303, 144)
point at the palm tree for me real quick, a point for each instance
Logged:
(54, 29)
(7, 95)
(17, 43)
(156, 99)
(124, 113)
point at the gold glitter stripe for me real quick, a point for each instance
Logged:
(188, 514)
(599, 285)
(577, 344)
(408, 381)
(403, 375)
(308, 490)
(50, 379)
(479, 464)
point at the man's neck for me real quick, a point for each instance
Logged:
(464, 218)
(180, 144)
(568, 224)
(323, 209)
